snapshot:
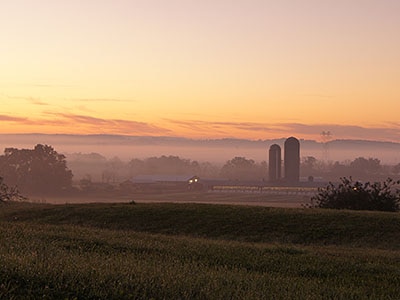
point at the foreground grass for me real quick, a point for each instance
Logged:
(164, 251)
(240, 223)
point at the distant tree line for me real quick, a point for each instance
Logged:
(96, 167)
(360, 168)
(43, 170)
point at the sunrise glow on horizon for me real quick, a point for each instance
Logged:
(256, 69)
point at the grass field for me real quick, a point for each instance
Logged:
(278, 199)
(196, 251)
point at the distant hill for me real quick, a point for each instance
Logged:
(213, 150)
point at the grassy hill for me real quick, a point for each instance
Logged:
(196, 251)
(228, 222)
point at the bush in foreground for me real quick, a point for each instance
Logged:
(355, 195)
(8, 193)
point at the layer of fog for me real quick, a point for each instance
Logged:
(216, 152)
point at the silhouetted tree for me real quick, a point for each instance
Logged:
(240, 168)
(112, 171)
(136, 166)
(82, 164)
(208, 170)
(366, 166)
(356, 195)
(308, 165)
(39, 170)
(309, 161)
(360, 168)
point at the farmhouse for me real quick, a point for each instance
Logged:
(167, 182)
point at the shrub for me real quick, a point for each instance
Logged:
(8, 193)
(355, 195)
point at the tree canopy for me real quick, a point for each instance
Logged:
(41, 169)
(240, 168)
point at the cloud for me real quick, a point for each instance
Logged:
(32, 122)
(38, 102)
(348, 131)
(7, 118)
(230, 128)
(87, 124)
(218, 124)
(116, 126)
(389, 132)
(81, 104)
(73, 123)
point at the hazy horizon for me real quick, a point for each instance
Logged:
(212, 150)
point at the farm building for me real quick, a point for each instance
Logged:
(168, 182)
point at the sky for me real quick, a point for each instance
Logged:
(254, 69)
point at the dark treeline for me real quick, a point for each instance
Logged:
(97, 168)
(43, 170)
(361, 168)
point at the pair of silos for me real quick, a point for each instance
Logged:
(291, 161)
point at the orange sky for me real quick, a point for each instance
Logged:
(254, 69)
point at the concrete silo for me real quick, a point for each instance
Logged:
(292, 160)
(275, 162)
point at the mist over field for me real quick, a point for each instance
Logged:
(216, 151)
